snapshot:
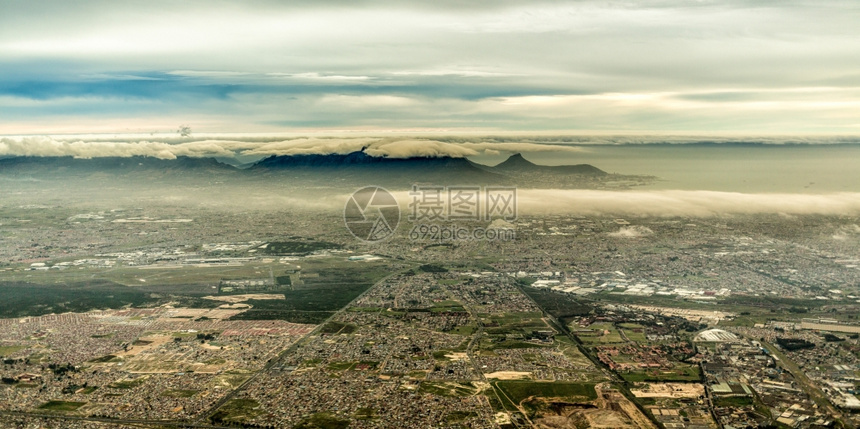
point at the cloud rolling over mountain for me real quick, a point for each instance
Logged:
(379, 147)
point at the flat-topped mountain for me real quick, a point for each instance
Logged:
(518, 164)
(313, 170)
(359, 166)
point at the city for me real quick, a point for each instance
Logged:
(328, 214)
(690, 322)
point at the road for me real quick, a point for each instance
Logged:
(201, 421)
(808, 385)
(476, 336)
(286, 352)
(612, 376)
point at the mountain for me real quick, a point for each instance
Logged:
(360, 169)
(68, 164)
(347, 171)
(317, 161)
(518, 164)
(363, 169)
(111, 171)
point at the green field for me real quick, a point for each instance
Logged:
(237, 410)
(333, 285)
(500, 324)
(322, 421)
(297, 247)
(364, 413)
(338, 328)
(327, 285)
(106, 358)
(634, 332)
(679, 373)
(61, 406)
(177, 278)
(561, 305)
(602, 333)
(27, 299)
(465, 330)
(10, 350)
(448, 306)
(128, 384)
(733, 401)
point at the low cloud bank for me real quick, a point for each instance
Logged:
(166, 147)
(682, 203)
(634, 231)
(379, 147)
(537, 202)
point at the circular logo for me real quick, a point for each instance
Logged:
(371, 214)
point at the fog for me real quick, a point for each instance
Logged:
(682, 203)
(811, 176)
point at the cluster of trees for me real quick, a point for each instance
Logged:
(792, 344)
(205, 337)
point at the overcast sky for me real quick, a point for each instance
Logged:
(673, 66)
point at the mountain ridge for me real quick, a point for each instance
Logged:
(518, 163)
(317, 170)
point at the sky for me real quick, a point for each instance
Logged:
(256, 66)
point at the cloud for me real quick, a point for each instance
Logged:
(321, 77)
(681, 203)
(249, 147)
(168, 148)
(846, 232)
(309, 146)
(397, 148)
(490, 148)
(45, 146)
(667, 66)
(536, 202)
(40, 146)
(634, 231)
(419, 148)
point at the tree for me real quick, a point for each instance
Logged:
(184, 130)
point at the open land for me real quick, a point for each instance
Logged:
(269, 319)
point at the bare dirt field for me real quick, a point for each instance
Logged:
(509, 375)
(670, 390)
